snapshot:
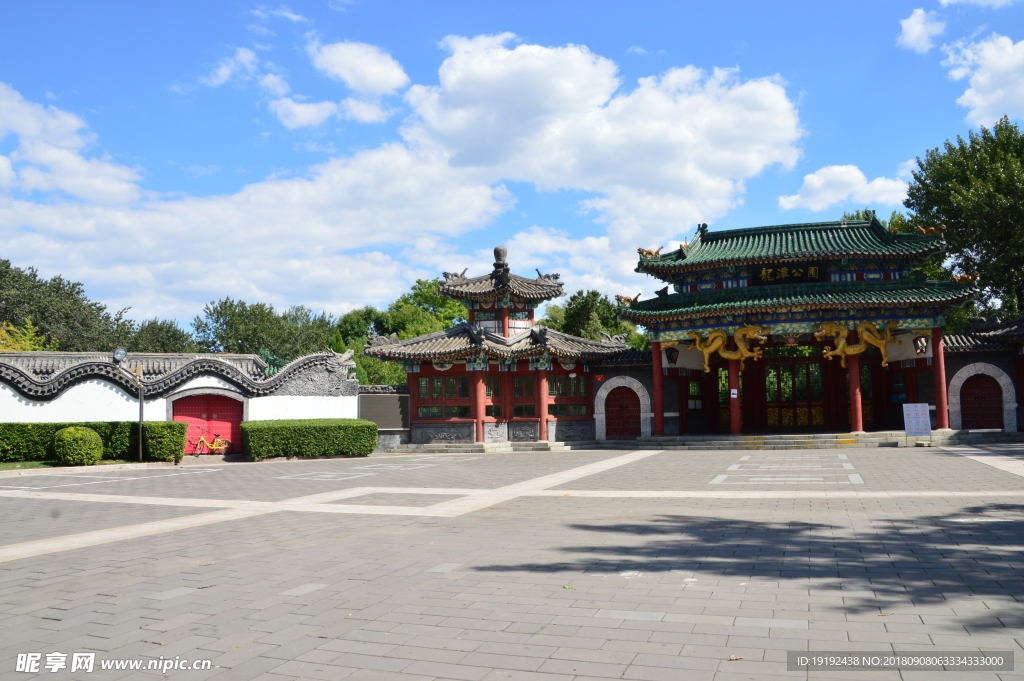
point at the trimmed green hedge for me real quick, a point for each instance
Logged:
(165, 441)
(77, 446)
(309, 437)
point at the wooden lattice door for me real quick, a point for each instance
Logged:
(981, 401)
(794, 396)
(622, 411)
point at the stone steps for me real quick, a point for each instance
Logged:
(727, 442)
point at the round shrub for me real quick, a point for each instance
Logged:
(77, 446)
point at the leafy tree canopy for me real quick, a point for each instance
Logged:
(61, 310)
(236, 326)
(934, 268)
(424, 296)
(975, 188)
(160, 335)
(587, 314)
(26, 339)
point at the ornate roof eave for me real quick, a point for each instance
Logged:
(530, 343)
(957, 296)
(677, 261)
(499, 282)
(32, 388)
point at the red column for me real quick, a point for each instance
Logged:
(542, 403)
(659, 389)
(504, 322)
(939, 371)
(735, 419)
(478, 403)
(856, 409)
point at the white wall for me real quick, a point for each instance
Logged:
(207, 382)
(293, 407)
(95, 400)
(98, 400)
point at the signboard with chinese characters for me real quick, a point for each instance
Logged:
(772, 274)
(916, 419)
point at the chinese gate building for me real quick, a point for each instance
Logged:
(816, 327)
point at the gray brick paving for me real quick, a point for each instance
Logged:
(540, 588)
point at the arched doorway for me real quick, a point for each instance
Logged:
(981, 403)
(622, 409)
(209, 416)
(1004, 409)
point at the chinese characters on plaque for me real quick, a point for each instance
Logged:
(789, 273)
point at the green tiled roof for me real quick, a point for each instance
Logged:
(844, 294)
(813, 241)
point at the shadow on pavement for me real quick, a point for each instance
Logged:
(976, 552)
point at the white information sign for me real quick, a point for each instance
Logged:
(916, 419)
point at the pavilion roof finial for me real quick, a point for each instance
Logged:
(500, 253)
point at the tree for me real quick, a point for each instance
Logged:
(25, 339)
(160, 335)
(236, 326)
(976, 189)
(61, 310)
(358, 324)
(934, 268)
(424, 295)
(587, 314)
(407, 322)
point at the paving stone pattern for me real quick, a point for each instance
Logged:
(537, 587)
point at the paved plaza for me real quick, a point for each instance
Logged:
(549, 565)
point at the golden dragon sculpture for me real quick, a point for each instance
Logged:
(867, 333)
(717, 341)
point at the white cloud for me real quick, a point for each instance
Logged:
(670, 153)
(994, 68)
(905, 170)
(918, 31)
(980, 3)
(259, 30)
(294, 115)
(636, 49)
(654, 159)
(283, 12)
(363, 68)
(275, 85)
(48, 155)
(243, 62)
(315, 239)
(835, 184)
(6, 172)
(364, 111)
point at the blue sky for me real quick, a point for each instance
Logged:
(329, 153)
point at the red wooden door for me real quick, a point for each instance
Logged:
(981, 399)
(622, 413)
(209, 416)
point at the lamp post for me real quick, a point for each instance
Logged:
(119, 356)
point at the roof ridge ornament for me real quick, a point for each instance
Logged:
(453, 278)
(377, 341)
(618, 339)
(547, 278)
